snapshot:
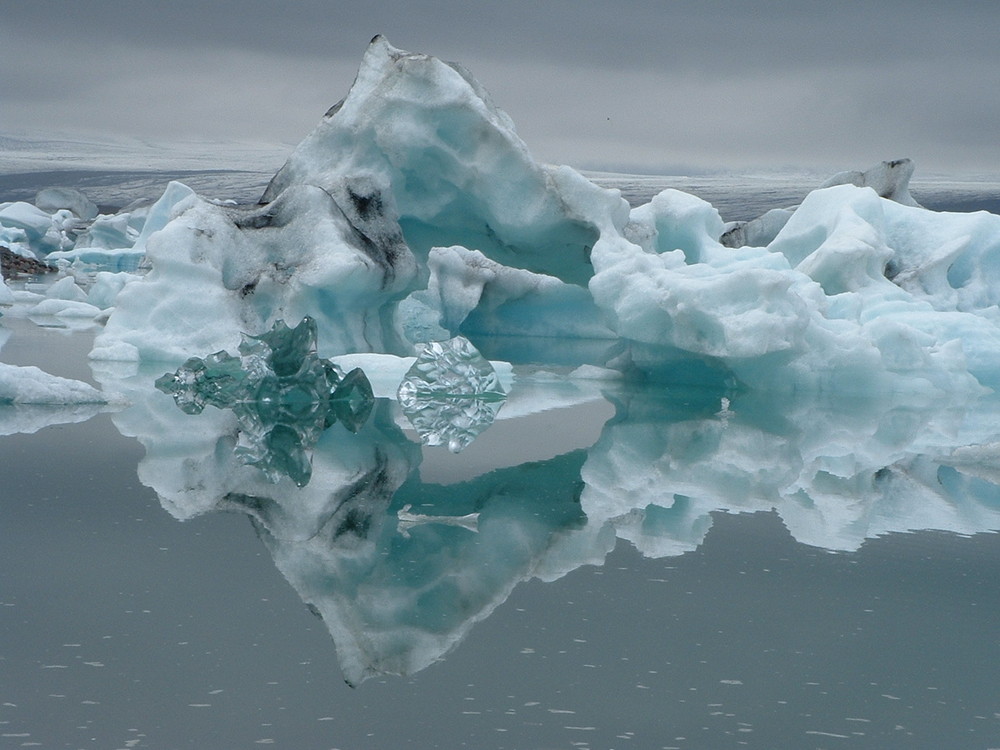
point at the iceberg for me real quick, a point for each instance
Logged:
(244, 269)
(425, 136)
(413, 212)
(416, 157)
(890, 179)
(846, 354)
(54, 199)
(815, 309)
(31, 399)
(37, 231)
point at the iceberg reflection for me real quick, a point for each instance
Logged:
(401, 568)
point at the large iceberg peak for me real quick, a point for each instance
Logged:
(414, 210)
(426, 133)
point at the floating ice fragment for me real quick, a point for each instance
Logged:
(408, 519)
(285, 350)
(889, 179)
(352, 401)
(283, 394)
(219, 379)
(451, 393)
(30, 385)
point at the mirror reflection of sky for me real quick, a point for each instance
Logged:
(603, 565)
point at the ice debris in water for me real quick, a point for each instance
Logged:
(451, 393)
(30, 385)
(284, 395)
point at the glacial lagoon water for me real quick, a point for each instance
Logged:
(605, 566)
(727, 608)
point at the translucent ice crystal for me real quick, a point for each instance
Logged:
(451, 393)
(283, 394)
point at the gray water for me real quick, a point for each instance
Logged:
(642, 572)
(124, 627)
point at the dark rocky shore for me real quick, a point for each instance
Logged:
(13, 265)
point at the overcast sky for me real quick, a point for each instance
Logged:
(643, 85)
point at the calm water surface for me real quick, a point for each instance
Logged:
(650, 568)
(604, 567)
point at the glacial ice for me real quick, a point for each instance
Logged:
(423, 141)
(413, 212)
(243, 269)
(30, 385)
(26, 226)
(889, 179)
(847, 354)
(54, 199)
(450, 394)
(283, 395)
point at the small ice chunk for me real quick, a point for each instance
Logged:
(283, 394)
(451, 393)
(6, 295)
(65, 308)
(109, 232)
(34, 221)
(30, 385)
(66, 289)
(890, 179)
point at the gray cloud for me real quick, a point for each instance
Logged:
(710, 83)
